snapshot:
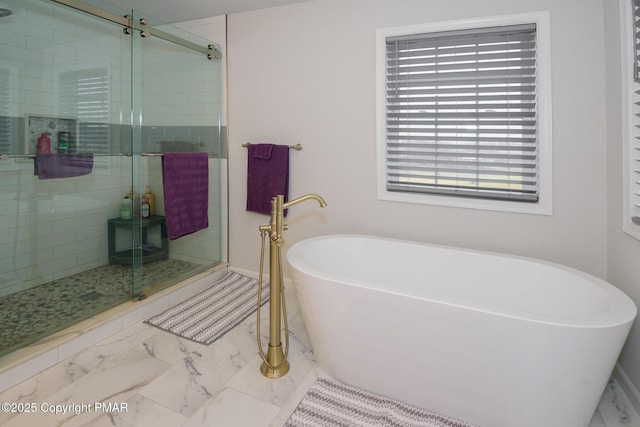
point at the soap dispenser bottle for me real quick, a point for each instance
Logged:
(151, 199)
(125, 208)
(144, 209)
(44, 144)
(135, 202)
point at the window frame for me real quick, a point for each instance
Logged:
(544, 204)
(629, 144)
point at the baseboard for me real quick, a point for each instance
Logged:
(248, 273)
(288, 283)
(630, 390)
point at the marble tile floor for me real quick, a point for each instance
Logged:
(153, 378)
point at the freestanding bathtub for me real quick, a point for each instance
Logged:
(491, 339)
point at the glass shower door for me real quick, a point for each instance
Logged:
(77, 86)
(65, 81)
(177, 108)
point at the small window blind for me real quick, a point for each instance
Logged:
(6, 132)
(85, 94)
(461, 113)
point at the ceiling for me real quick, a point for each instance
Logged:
(186, 10)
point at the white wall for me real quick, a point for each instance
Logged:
(623, 250)
(306, 73)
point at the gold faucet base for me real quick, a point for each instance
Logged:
(275, 357)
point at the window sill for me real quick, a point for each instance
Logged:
(542, 207)
(632, 227)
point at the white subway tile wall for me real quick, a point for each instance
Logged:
(181, 92)
(213, 29)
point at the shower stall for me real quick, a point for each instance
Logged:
(81, 78)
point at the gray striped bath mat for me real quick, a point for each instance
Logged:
(210, 314)
(330, 403)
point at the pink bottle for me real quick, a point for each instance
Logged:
(44, 144)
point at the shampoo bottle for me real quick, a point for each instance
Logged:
(44, 144)
(145, 207)
(151, 199)
(63, 141)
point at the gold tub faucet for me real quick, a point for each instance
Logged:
(275, 362)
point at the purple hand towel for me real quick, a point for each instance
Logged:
(263, 151)
(185, 178)
(67, 165)
(266, 178)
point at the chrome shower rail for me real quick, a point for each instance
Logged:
(128, 23)
(211, 154)
(31, 156)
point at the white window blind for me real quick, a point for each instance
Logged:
(85, 94)
(461, 113)
(635, 6)
(635, 117)
(6, 133)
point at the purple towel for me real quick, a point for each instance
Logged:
(263, 151)
(268, 177)
(67, 165)
(185, 178)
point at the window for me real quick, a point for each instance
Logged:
(85, 94)
(461, 122)
(631, 98)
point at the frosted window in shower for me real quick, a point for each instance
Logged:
(5, 120)
(84, 94)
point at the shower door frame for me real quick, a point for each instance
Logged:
(128, 22)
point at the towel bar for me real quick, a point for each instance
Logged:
(162, 154)
(293, 147)
(31, 156)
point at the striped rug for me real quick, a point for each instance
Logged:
(210, 314)
(330, 403)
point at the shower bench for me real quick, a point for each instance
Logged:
(149, 252)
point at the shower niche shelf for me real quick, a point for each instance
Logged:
(148, 252)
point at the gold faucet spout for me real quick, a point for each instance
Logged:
(319, 199)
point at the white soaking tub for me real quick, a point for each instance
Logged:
(491, 339)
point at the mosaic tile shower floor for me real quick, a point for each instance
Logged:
(40, 311)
